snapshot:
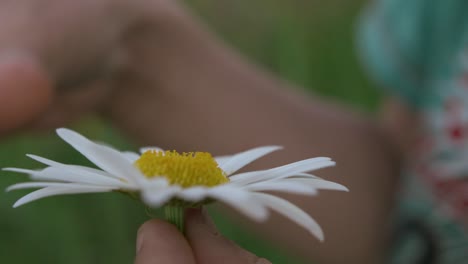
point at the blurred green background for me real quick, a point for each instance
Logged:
(310, 43)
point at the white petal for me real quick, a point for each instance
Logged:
(106, 158)
(154, 184)
(222, 159)
(51, 191)
(292, 212)
(28, 185)
(307, 175)
(92, 172)
(74, 174)
(20, 170)
(240, 160)
(240, 200)
(44, 161)
(80, 173)
(193, 194)
(282, 186)
(282, 171)
(145, 149)
(131, 156)
(321, 184)
(156, 197)
(68, 167)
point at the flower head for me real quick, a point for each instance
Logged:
(185, 170)
(163, 177)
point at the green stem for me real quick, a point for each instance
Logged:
(175, 215)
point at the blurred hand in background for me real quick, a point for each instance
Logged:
(59, 58)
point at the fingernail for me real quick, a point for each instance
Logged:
(139, 242)
(207, 220)
(202, 218)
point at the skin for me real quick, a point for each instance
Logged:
(158, 74)
(161, 242)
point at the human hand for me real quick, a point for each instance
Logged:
(61, 58)
(161, 242)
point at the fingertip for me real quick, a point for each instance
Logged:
(210, 246)
(25, 91)
(160, 242)
(149, 230)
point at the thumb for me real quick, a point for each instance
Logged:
(209, 247)
(160, 242)
(25, 92)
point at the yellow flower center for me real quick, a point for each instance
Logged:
(186, 169)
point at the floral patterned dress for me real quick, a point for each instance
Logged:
(418, 51)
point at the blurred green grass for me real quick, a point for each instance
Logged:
(309, 43)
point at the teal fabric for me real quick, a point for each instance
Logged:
(417, 51)
(407, 45)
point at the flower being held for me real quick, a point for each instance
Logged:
(185, 170)
(165, 178)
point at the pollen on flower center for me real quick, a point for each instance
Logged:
(186, 169)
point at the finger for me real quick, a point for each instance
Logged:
(209, 247)
(25, 92)
(71, 39)
(159, 242)
(73, 105)
(69, 44)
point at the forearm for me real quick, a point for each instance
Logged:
(204, 96)
(198, 84)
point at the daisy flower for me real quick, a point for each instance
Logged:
(179, 180)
